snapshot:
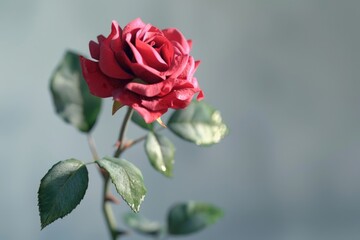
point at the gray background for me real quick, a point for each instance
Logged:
(285, 75)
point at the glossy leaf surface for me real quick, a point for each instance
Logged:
(198, 123)
(61, 190)
(128, 180)
(160, 152)
(72, 99)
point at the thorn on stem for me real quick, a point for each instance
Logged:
(117, 144)
(111, 198)
(127, 144)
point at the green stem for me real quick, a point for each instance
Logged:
(122, 132)
(107, 209)
(133, 142)
(108, 212)
(92, 147)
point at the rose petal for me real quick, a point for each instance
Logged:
(178, 66)
(189, 43)
(99, 84)
(115, 31)
(197, 63)
(174, 35)
(115, 37)
(176, 99)
(123, 60)
(162, 46)
(189, 69)
(137, 55)
(200, 96)
(126, 97)
(167, 52)
(149, 36)
(94, 50)
(133, 25)
(168, 85)
(95, 47)
(140, 69)
(109, 65)
(151, 90)
(149, 116)
(178, 49)
(130, 99)
(182, 84)
(194, 82)
(144, 30)
(147, 73)
(150, 56)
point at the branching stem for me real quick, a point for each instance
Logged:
(107, 209)
(122, 132)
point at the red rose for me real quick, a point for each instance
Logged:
(143, 67)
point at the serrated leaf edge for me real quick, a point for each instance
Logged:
(43, 225)
(132, 206)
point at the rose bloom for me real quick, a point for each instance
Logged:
(143, 67)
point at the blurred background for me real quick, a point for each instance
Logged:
(285, 75)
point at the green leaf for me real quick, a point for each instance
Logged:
(127, 178)
(139, 120)
(142, 225)
(61, 190)
(72, 100)
(198, 123)
(190, 217)
(160, 152)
